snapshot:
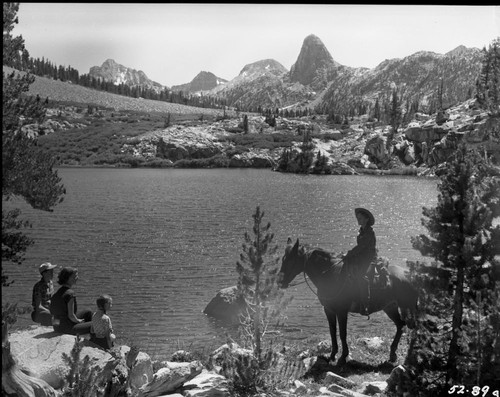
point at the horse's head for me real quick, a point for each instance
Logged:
(292, 263)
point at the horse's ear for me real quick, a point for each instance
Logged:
(297, 243)
(289, 241)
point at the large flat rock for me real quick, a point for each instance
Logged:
(39, 350)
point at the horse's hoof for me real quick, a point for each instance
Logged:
(391, 362)
(341, 361)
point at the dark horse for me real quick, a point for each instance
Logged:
(337, 293)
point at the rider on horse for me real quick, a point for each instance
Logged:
(360, 259)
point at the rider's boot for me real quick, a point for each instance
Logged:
(364, 299)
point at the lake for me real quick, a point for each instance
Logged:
(162, 242)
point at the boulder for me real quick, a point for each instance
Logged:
(374, 387)
(426, 133)
(340, 168)
(239, 161)
(333, 378)
(167, 380)
(409, 154)
(376, 148)
(172, 152)
(372, 343)
(226, 305)
(207, 384)
(39, 352)
(398, 376)
(299, 387)
(141, 371)
(251, 159)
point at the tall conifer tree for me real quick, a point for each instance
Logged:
(449, 348)
(27, 172)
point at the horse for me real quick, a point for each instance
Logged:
(338, 293)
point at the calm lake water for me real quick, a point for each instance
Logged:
(162, 242)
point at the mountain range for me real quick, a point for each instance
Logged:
(317, 81)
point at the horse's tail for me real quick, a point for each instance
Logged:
(406, 297)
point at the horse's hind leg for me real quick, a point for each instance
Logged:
(393, 313)
(342, 317)
(332, 324)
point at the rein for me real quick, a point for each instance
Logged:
(306, 257)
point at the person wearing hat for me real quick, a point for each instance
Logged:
(42, 293)
(359, 259)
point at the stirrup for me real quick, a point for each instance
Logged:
(365, 311)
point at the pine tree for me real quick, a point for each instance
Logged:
(284, 161)
(446, 349)
(488, 83)
(376, 110)
(27, 172)
(245, 124)
(257, 282)
(395, 112)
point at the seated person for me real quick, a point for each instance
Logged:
(359, 259)
(42, 293)
(65, 315)
(101, 331)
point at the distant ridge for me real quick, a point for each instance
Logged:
(56, 90)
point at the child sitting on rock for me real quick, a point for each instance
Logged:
(101, 331)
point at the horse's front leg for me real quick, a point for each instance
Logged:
(342, 317)
(332, 324)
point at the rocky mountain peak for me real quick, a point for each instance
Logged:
(204, 81)
(265, 66)
(459, 51)
(118, 74)
(313, 57)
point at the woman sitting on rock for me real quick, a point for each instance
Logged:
(65, 315)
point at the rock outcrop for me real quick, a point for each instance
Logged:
(39, 351)
(226, 305)
(434, 141)
(43, 354)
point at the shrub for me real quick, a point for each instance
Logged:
(217, 161)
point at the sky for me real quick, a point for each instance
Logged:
(173, 42)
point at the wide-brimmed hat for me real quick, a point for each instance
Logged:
(368, 214)
(46, 266)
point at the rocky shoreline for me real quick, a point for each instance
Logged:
(42, 354)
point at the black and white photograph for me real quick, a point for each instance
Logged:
(273, 200)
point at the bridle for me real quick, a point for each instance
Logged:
(305, 258)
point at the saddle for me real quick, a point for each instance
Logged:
(379, 279)
(381, 275)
